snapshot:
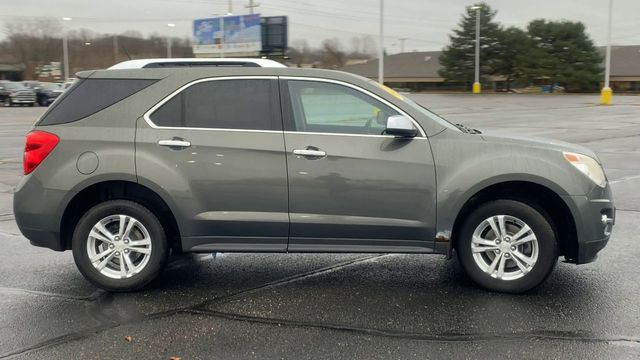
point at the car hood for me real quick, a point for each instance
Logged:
(535, 142)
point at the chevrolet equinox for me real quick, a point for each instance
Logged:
(130, 165)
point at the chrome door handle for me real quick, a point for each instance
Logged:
(174, 142)
(310, 153)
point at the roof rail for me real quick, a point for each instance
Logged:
(195, 62)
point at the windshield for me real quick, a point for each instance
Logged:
(433, 116)
(52, 86)
(14, 86)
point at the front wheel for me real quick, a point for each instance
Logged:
(119, 245)
(507, 246)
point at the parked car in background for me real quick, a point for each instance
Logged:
(46, 93)
(15, 93)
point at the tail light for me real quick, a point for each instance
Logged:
(39, 145)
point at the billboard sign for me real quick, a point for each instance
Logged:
(238, 34)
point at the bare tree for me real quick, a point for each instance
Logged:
(332, 54)
(299, 52)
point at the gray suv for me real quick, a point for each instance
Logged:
(131, 165)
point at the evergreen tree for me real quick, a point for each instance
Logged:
(458, 57)
(564, 52)
(513, 56)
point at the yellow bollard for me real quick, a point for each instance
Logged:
(606, 95)
(476, 88)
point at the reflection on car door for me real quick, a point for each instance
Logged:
(350, 187)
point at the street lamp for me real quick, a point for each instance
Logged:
(606, 94)
(65, 50)
(381, 46)
(171, 25)
(476, 84)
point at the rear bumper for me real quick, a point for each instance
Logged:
(38, 213)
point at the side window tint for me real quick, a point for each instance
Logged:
(222, 104)
(332, 108)
(87, 97)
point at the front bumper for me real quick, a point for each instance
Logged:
(594, 216)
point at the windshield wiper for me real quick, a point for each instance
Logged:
(468, 130)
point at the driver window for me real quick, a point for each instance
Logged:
(332, 108)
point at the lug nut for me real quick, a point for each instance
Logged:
(116, 238)
(117, 253)
(513, 248)
(507, 239)
(498, 241)
(126, 241)
(126, 251)
(507, 255)
(111, 246)
(498, 251)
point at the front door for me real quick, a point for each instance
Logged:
(350, 187)
(216, 151)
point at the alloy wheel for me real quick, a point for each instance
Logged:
(504, 247)
(119, 246)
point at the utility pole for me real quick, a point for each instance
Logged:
(606, 95)
(381, 46)
(171, 25)
(65, 49)
(476, 84)
(251, 6)
(115, 49)
(402, 40)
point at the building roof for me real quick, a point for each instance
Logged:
(422, 64)
(625, 60)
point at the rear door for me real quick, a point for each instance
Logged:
(351, 188)
(215, 150)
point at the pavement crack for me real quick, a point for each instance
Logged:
(444, 337)
(162, 314)
(93, 296)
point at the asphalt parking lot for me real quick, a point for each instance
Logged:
(343, 306)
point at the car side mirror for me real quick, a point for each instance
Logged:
(399, 125)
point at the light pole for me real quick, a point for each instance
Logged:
(381, 46)
(171, 25)
(65, 50)
(606, 94)
(476, 84)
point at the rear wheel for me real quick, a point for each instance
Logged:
(507, 246)
(119, 245)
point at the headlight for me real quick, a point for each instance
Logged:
(588, 166)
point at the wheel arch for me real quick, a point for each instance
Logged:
(542, 197)
(102, 191)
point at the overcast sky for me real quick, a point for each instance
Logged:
(426, 23)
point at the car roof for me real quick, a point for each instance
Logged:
(195, 62)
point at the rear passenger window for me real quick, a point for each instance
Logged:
(88, 96)
(223, 104)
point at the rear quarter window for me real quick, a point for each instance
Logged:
(88, 96)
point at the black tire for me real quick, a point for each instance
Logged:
(157, 258)
(539, 224)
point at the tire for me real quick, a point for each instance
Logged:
(8, 102)
(535, 250)
(146, 259)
